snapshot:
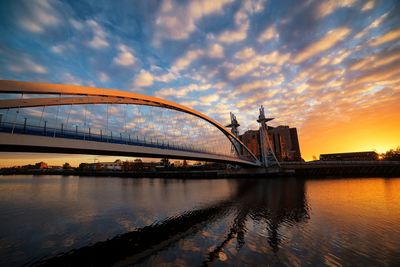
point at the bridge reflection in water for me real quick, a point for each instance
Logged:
(270, 203)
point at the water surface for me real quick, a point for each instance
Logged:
(283, 222)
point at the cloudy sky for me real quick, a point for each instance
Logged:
(329, 68)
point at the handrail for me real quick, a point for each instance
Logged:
(8, 86)
(52, 132)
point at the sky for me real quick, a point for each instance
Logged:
(329, 68)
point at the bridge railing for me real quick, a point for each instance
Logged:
(96, 135)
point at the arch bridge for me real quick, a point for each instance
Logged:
(57, 118)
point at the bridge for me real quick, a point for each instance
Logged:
(56, 118)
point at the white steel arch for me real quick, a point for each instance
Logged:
(90, 95)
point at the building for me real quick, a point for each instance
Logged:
(283, 141)
(251, 139)
(109, 166)
(350, 156)
(118, 165)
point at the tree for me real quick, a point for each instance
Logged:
(164, 162)
(66, 166)
(185, 164)
(392, 154)
(41, 165)
(83, 166)
(138, 164)
(127, 165)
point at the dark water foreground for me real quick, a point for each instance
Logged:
(71, 221)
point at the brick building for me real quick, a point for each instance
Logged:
(283, 140)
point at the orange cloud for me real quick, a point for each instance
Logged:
(330, 39)
(327, 7)
(387, 37)
(245, 53)
(268, 34)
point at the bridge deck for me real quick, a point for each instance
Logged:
(27, 138)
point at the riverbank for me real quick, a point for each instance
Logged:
(293, 169)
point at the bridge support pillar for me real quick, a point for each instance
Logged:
(266, 148)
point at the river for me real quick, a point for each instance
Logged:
(176, 222)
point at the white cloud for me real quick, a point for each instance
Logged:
(125, 56)
(167, 92)
(143, 79)
(165, 78)
(334, 58)
(68, 78)
(187, 59)
(103, 77)
(216, 51)
(208, 99)
(245, 53)
(382, 76)
(242, 22)
(327, 7)
(40, 14)
(376, 23)
(31, 26)
(374, 61)
(76, 24)
(178, 21)
(368, 6)
(275, 59)
(323, 75)
(60, 48)
(192, 104)
(26, 64)
(269, 33)
(387, 37)
(253, 85)
(234, 36)
(183, 91)
(301, 88)
(330, 39)
(340, 56)
(99, 39)
(254, 6)
(243, 69)
(242, 25)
